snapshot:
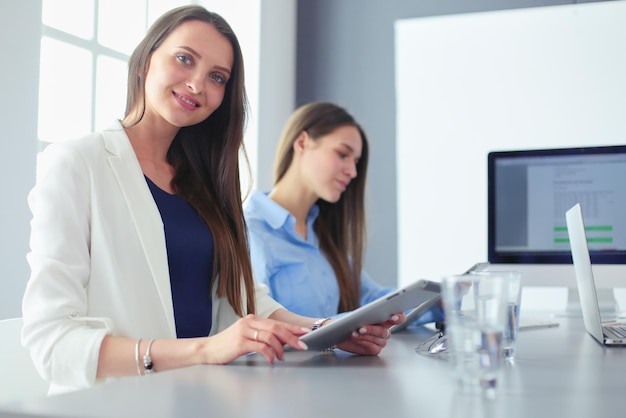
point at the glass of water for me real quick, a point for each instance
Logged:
(476, 315)
(514, 280)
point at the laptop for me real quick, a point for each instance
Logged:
(605, 333)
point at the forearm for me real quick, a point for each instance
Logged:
(118, 356)
(284, 315)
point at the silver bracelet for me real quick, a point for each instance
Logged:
(137, 356)
(147, 360)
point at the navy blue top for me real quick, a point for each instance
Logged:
(189, 245)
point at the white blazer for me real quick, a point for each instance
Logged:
(98, 259)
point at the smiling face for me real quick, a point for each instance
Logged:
(328, 163)
(187, 75)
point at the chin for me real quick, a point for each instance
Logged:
(332, 198)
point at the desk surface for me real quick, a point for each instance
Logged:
(559, 372)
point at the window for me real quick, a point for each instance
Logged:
(82, 82)
(84, 56)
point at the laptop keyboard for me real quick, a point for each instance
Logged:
(615, 332)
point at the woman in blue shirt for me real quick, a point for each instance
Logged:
(307, 235)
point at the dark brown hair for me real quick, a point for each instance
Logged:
(205, 156)
(340, 226)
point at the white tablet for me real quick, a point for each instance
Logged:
(422, 294)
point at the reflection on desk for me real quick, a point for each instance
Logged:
(559, 371)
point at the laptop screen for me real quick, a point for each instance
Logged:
(529, 192)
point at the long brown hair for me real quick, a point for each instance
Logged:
(340, 226)
(205, 156)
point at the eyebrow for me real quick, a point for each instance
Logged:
(195, 54)
(349, 148)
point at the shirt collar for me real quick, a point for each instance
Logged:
(275, 215)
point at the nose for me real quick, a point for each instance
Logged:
(195, 84)
(351, 169)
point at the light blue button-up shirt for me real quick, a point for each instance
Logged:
(296, 271)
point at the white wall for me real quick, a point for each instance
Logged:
(277, 89)
(20, 31)
(267, 35)
(472, 83)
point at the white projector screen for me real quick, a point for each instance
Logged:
(468, 84)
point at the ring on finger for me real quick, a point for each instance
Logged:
(256, 335)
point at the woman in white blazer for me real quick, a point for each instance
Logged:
(112, 265)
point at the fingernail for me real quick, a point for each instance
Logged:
(355, 334)
(303, 345)
(395, 318)
(363, 330)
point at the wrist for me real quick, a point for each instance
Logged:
(318, 324)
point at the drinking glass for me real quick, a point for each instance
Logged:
(514, 280)
(475, 306)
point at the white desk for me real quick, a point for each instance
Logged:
(559, 372)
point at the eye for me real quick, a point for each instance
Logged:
(185, 59)
(220, 79)
(342, 155)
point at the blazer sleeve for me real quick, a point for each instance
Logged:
(265, 305)
(64, 343)
(260, 254)
(224, 315)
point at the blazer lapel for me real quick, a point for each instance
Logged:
(144, 213)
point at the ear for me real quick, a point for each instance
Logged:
(300, 143)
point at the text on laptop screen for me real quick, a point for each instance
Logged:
(529, 192)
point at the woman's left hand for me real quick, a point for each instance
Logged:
(369, 340)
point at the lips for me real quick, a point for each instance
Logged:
(186, 101)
